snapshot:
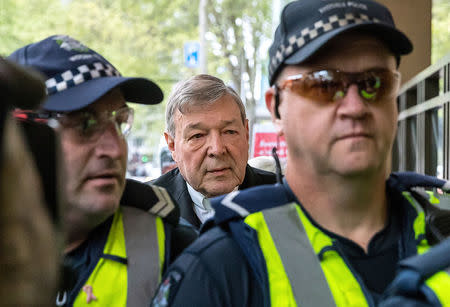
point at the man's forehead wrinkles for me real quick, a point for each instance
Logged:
(205, 125)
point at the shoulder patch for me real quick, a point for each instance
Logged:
(239, 204)
(151, 198)
(167, 289)
(228, 201)
(165, 203)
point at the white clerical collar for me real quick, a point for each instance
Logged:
(198, 198)
(201, 205)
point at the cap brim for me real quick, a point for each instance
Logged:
(396, 40)
(137, 90)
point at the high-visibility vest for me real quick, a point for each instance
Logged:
(424, 278)
(128, 272)
(303, 266)
(439, 283)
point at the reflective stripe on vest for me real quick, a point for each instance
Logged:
(292, 244)
(113, 283)
(279, 286)
(145, 239)
(276, 237)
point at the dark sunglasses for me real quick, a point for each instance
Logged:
(332, 85)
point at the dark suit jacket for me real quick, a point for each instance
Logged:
(176, 186)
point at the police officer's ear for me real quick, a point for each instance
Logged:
(271, 96)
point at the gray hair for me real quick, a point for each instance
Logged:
(198, 90)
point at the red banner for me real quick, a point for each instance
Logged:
(263, 142)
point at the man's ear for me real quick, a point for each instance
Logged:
(170, 144)
(271, 105)
(247, 130)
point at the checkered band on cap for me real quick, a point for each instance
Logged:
(295, 42)
(75, 76)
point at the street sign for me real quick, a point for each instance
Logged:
(192, 54)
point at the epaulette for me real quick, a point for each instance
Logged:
(435, 190)
(151, 198)
(239, 204)
(408, 180)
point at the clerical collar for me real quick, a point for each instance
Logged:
(198, 198)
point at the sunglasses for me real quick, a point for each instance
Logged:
(332, 85)
(85, 124)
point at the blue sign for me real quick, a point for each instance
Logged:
(192, 54)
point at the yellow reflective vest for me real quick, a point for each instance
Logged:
(130, 268)
(439, 283)
(302, 267)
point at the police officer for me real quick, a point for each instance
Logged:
(332, 232)
(117, 252)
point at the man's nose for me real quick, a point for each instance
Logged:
(110, 141)
(353, 105)
(216, 145)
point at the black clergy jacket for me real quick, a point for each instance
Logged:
(175, 184)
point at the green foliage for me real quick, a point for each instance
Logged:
(140, 37)
(146, 38)
(238, 29)
(440, 29)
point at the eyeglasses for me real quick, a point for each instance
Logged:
(86, 124)
(90, 124)
(332, 85)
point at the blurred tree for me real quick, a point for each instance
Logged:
(140, 37)
(239, 31)
(440, 29)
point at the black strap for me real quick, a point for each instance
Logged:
(115, 258)
(277, 101)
